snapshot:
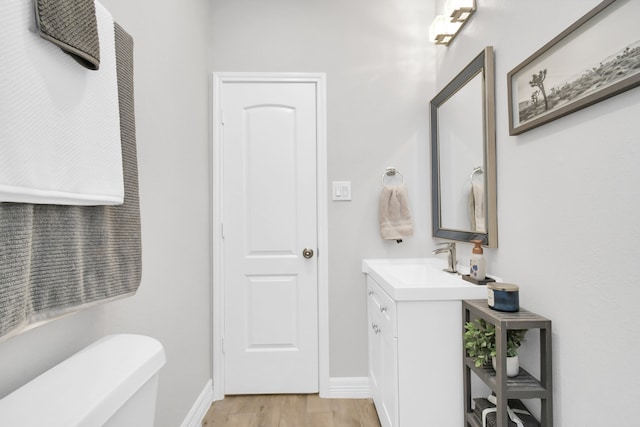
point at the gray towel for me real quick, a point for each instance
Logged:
(395, 216)
(72, 26)
(56, 259)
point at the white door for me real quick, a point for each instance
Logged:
(269, 220)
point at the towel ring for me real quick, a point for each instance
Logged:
(477, 169)
(392, 172)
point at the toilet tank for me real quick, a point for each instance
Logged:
(112, 383)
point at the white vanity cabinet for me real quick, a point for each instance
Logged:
(415, 349)
(383, 353)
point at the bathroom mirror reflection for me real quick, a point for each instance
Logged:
(463, 155)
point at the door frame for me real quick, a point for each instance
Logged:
(217, 273)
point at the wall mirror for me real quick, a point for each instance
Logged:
(463, 155)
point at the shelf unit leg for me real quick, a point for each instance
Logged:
(546, 405)
(501, 377)
(466, 372)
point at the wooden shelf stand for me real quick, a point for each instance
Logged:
(523, 386)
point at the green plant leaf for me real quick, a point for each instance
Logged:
(480, 341)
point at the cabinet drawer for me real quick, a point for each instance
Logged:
(383, 308)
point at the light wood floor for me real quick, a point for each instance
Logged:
(290, 410)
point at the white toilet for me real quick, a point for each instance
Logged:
(113, 383)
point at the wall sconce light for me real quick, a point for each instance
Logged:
(459, 10)
(444, 29)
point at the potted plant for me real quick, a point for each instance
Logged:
(480, 345)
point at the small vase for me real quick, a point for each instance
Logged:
(513, 365)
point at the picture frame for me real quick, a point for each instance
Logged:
(597, 57)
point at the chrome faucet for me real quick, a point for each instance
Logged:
(450, 249)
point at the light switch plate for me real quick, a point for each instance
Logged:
(341, 190)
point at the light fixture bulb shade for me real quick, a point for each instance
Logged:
(459, 10)
(442, 31)
(434, 28)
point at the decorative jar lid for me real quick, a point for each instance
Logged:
(508, 287)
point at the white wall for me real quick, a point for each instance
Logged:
(173, 303)
(380, 74)
(568, 203)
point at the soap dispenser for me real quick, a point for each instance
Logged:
(477, 267)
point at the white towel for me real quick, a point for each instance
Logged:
(395, 216)
(59, 122)
(476, 208)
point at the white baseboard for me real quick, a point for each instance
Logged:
(200, 407)
(349, 388)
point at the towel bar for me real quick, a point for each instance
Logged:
(392, 172)
(477, 169)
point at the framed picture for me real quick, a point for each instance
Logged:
(595, 58)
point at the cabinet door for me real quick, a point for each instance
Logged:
(374, 356)
(383, 354)
(389, 380)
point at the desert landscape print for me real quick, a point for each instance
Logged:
(544, 99)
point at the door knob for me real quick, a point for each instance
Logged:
(307, 253)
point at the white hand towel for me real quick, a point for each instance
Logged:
(395, 216)
(59, 122)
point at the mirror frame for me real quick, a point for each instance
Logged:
(483, 63)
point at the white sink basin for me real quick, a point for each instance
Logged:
(420, 279)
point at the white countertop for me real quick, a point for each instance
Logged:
(420, 279)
